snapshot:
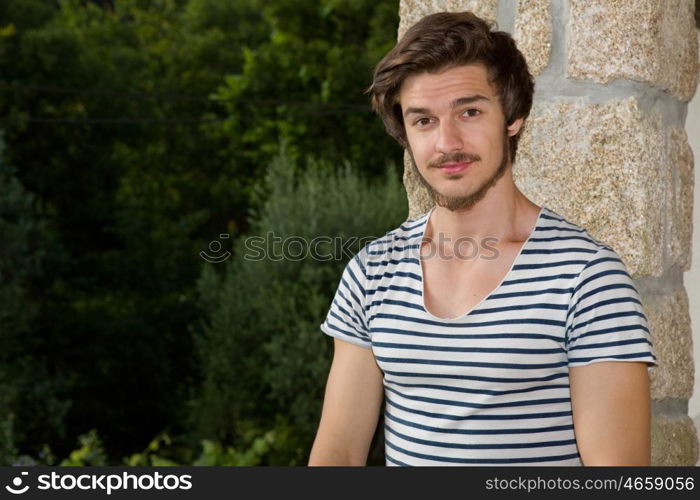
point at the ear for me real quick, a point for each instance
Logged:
(514, 127)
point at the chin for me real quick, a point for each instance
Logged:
(455, 193)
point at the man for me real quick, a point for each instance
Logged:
(498, 332)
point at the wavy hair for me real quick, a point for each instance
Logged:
(441, 41)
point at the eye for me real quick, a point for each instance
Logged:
(422, 122)
(471, 112)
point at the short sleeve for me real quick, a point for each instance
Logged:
(346, 317)
(606, 321)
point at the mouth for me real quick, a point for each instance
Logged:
(455, 167)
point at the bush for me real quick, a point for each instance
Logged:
(261, 351)
(31, 408)
(167, 451)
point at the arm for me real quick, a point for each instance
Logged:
(351, 407)
(612, 413)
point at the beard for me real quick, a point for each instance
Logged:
(459, 203)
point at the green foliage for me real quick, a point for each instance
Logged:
(305, 84)
(165, 451)
(139, 135)
(8, 452)
(150, 457)
(262, 352)
(91, 452)
(212, 453)
(20, 252)
(30, 408)
(130, 203)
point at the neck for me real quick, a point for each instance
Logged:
(504, 213)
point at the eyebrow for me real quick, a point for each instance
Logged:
(454, 104)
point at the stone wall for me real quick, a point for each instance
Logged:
(605, 147)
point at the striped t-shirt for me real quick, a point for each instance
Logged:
(490, 387)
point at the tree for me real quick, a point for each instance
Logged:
(305, 85)
(138, 151)
(32, 408)
(263, 357)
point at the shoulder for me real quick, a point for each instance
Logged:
(600, 265)
(557, 228)
(396, 243)
(562, 235)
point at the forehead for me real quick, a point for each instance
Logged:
(458, 81)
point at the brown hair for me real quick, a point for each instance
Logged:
(444, 40)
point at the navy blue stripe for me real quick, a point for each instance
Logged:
(602, 274)
(539, 278)
(494, 446)
(551, 217)
(407, 289)
(345, 323)
(479, 432)
(403, 303)
(411, 228)
(445, 362)
(390, 235)
(349, 334)
(481, 460)
(605, 317)
(602, 303)
(354, 278)
(519, 380)
(352, 294)
(610, 344)
(533, 321)
(359, 305)
(496, 350)
(463, 404)
(641, 355)
(549, 251)
(559, 228)
(556, 307)
(450, 388)
(479, 310)
(346, 313)
(397, 462)
(548, 265)
(409, 237)
(529, 293)
(481, 416)
(394, 261)
(340, 294)
(614, 329)
(604, 288)
(601, 260)
(395, 303)
(360, 264)
(394, 249)
(565, 238)
(395, 273)
(534, 336)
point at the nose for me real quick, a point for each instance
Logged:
(449, 138)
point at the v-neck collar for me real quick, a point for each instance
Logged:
(462, 317)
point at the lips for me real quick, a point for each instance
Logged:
(454, 168)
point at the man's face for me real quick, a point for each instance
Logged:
(456, 132)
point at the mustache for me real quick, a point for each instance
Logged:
(454, 158)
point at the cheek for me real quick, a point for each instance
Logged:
(490, 143)
(419, 145)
